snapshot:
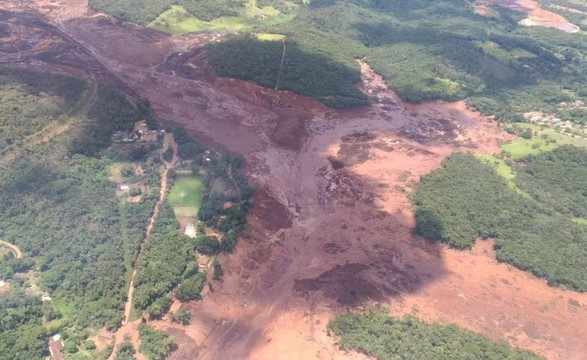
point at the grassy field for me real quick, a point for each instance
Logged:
(502, 169)
(270, 37)
(523, 147)
(178, 21)
(185, 196)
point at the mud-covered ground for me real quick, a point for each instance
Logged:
(331, 225)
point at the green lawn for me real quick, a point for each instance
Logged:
(523, 147)
(185, 196)
(504, 170)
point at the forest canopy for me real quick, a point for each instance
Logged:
(466, 199)
(377, 334)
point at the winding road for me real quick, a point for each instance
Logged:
(13, 248)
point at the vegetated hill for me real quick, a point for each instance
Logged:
(29, 103)
(62, 204)
(145, 11)
(58, 204)
(377, 334)
(302, 72)
(22, 335)
(466, 199)
(427, 50)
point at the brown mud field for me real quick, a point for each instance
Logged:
(537, 16)
(331, 227)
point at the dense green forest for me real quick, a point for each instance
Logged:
(557, 179)
(58, 204)
(466, 199)
(29, 103)
(377, 334)
(304, 73)
(21, 332)
(167, 259)
(125, 351)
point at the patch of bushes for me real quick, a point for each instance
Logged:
(383, 337)
(466, 200)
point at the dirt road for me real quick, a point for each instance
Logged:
(331, 226)
(13, 248)
(129, 329)
(167, 143)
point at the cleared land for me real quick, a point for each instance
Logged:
(520, 148)
(185, 196)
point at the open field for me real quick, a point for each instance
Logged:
(178, 21)
(323, 239)
(185, 196)
(521, 148)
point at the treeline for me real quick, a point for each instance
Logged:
(383, 337)
(303, 72)
(145, 11)
(466, 200)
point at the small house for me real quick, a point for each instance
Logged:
(124, 188)
(55, 348)
(190, 230)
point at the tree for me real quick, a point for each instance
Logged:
(182, 316)
(155, 344)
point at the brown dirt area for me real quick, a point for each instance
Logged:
(537, 15)
(331, 226)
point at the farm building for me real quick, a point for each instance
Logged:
(55, 348)
(190, 230)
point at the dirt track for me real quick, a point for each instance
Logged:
(331, 226)
(13, 248)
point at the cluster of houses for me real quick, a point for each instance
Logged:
(139, 133)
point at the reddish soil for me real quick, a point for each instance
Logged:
(537, 15)
(331, 226)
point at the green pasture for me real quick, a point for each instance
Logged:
(178, 21)
(521, 148)
(185, 196)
